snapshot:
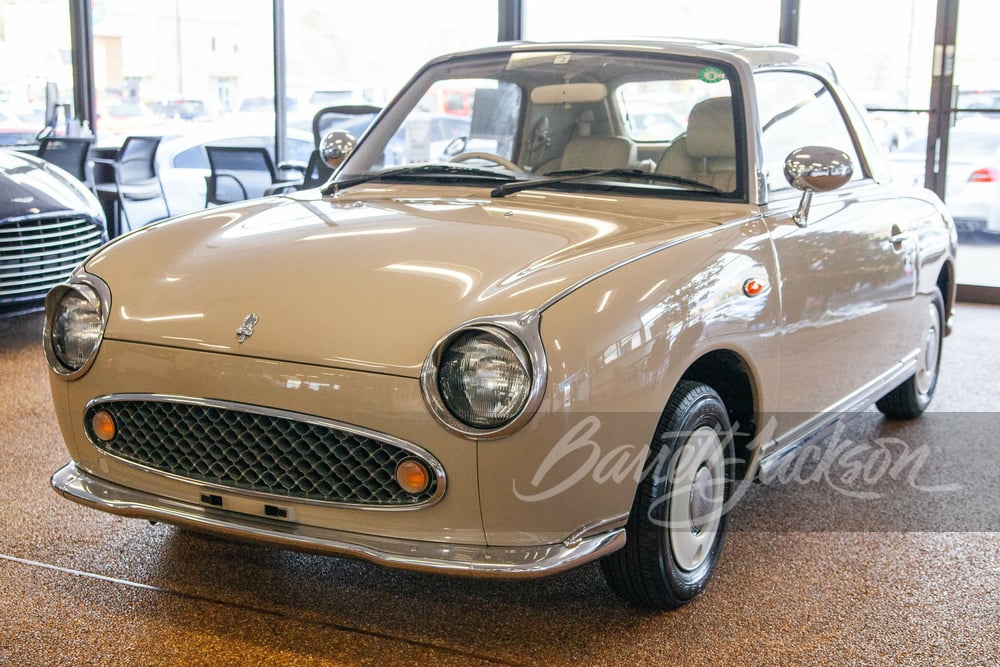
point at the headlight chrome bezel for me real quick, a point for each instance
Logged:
(521, 333)
(98, 295)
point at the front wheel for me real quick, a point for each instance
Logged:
(911, 398)
(678, 522)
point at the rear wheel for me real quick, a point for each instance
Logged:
(678, 522)
(911, 398)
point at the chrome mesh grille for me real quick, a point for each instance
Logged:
(38, 253)
(257, 452)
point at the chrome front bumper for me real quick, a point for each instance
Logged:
(458, 559)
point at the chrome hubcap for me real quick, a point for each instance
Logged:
(700, 502)
(928, 359)
(698, 486)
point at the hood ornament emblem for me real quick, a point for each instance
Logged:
(246, 330)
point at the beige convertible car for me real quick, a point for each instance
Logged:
(565, 336)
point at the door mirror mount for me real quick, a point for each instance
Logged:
(816, 169)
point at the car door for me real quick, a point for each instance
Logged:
(848, 275)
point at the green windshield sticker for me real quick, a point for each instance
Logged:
(711, 75)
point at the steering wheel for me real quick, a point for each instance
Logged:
(489, 157)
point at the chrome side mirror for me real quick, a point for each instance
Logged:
(816, 169)
(335, 147)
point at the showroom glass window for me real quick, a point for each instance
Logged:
(180, 67)
(888, 67)
(36, 72)
(973, 172)
(798, 110)
(595, 19)
(363, 55)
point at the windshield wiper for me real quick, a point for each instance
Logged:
(576, 174)
(416, 171)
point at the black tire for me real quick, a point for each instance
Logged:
(666, 561)
(911, 398)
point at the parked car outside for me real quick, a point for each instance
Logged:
(890, 134)
(264, 104)
(531, 354)
(17, 128)
(891, 126)
(978, 103)
(180, 108)
(972, 188)
(118, 119)
(339, 93)
(49, 223)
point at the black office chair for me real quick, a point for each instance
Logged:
(350, 116)
(68, 153)
(328, 118)
(242, 172)
(317, 172)
(136, 188)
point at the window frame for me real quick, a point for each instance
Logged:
(863, 145)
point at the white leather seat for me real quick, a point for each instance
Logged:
(707, 151)
(596, 153)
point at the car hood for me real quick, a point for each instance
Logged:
(30, 186)
(370, 280)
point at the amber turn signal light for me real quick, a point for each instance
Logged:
(103, 425)
(753, 287)
(413, 476)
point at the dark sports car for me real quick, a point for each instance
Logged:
(49, 223)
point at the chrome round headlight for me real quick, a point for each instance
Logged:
(484, 377)
(74, 326)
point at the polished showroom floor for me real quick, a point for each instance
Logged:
(812, 574)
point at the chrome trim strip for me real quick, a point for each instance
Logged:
(526, 328)
(43, 260)
(45, 222)
(776, 452)
(423, 455)
(556, 298)
(40, 285)
(92, 238)
(442, 557)
(595, 528)
(55, 240)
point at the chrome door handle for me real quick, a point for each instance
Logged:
(897, 237)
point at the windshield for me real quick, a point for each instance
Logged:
(533, 115)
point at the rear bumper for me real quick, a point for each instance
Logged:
(458, 559)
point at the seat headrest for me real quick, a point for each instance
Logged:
(710, 129)
(597, 153)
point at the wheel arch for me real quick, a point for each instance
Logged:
(946, 283)
(731, 377)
